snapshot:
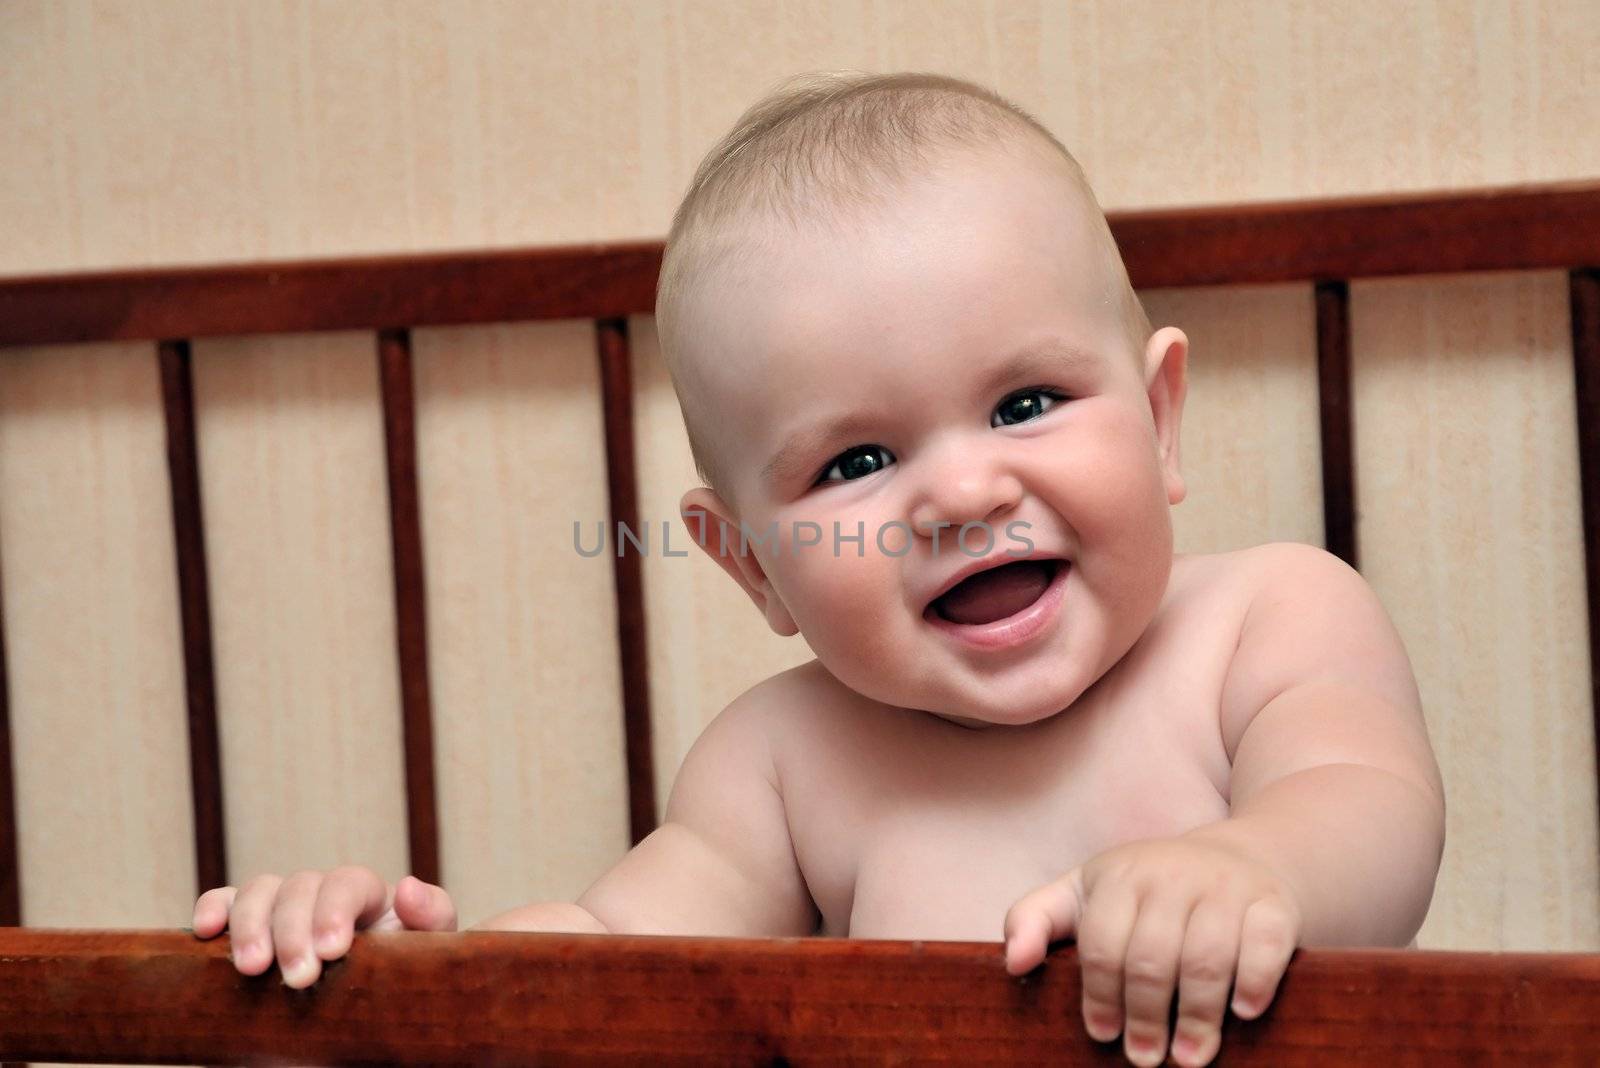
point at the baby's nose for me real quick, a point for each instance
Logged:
(965, 497)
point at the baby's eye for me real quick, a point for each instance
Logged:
(1020, 407)
(858, 462)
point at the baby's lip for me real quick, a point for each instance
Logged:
(986, 563)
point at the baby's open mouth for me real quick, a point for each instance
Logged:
(996, 593)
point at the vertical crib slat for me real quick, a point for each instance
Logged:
(10, 869)
(1583, 287)
(10, 866)
(1338, 445)
(194, 604)
(410, 605)
(616, 384)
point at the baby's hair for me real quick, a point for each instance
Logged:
(824, 149)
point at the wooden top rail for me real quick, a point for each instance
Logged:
(501, 998)
(1553, 225)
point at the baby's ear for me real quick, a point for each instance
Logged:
(1167, 374)
(715, 529)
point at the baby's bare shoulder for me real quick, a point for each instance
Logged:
(1311, 619)
(1292, 593)
(1248, 568)
(784, 709)
(740, 751)
(1285, 578)
(805, 690)
(1272, 574)
(1279, 558)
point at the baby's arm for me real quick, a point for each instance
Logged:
(1334, 784)
(720, 864)
(1334, 835)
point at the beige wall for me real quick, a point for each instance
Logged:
(164, 133)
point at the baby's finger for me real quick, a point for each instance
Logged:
(423, 906)
(1151, 975)
(249, 924)
(1038, 918)
(291, 929)
(1205, 971)
(1103, 933)
(1265, 946)
(350, 899)
(211, 911)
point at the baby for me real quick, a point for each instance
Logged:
(939, 440)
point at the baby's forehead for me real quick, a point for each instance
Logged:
(963, 238)
(932, 214)
(954, 255)
(872, 202)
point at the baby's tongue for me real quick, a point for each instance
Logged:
(996, 593)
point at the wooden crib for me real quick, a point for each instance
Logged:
(161, 997)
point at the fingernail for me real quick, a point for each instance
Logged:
(1143, 1049)
(1186, 1049)
(299, 973)
(1102, 1028)
(328, 942)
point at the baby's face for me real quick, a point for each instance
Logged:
(960, 361)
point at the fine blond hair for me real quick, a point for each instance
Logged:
(822, 149)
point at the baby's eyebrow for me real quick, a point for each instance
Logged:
(1039, 362)
(794, 457)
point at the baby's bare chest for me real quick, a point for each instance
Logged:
(907, 826)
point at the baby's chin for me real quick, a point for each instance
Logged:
(990, 719)
(980, 724)
(1018, 702)
(994, 711)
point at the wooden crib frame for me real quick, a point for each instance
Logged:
(72, 995)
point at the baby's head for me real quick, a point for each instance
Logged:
(892, 307)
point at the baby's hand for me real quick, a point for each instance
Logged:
(272, 913)
(1159, 915)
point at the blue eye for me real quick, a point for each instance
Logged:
(859, 462)
(1023, 406)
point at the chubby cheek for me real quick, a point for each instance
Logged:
(1116, 503)
(849, 608)
(1113, 487)
(1129, 518)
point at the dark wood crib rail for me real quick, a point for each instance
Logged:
(1327, 243)
(1521, 228)
(499, 998)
